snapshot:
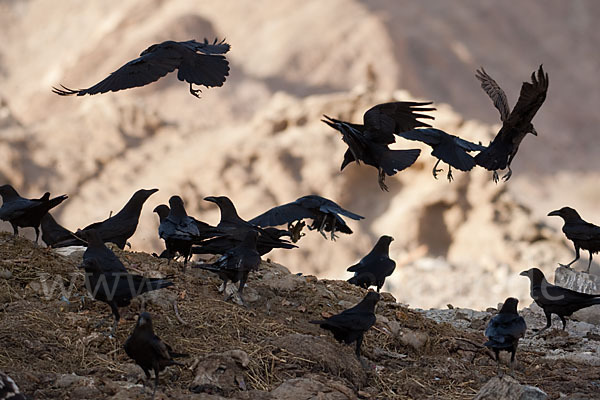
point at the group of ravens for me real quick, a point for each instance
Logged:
(240, 243)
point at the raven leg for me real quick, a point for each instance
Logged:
(589, 263)
(37, 234)
(333, 236)
(322, 228)
(435, 169)
(359, 341)
(564, 321)
(241, 289)
(115, 311)
(226, 297)
(195, 92)
(495, 177)
(449, 176)
(576, 258)
(498, 366)
(156, 369)
(548, 323)
(15, 229)
(381, 180)
(507, 175)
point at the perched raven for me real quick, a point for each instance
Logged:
(9, 389)
(180, 231)
(555, 299)
(236, 264)
(515, 125)
(55, 235)
(369, 142)
(350, 325)
(148, 351)
(197, 63)
(375, 266)
(584, 235)
(450, 149)
(325, 215)
(121, 226)
(22, 212)
(504, 331)
(107, 280)
(234, 229)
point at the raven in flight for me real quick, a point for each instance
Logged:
(107, 279)
(325, 215)
(504, 331)
(555, 299)
(448, 148)
(350, 325)
(515, 124)
(369, 142)
(584, 235)
(198, 63)
(148, 351)
(22, 212)
(373, 268)
(236, 263)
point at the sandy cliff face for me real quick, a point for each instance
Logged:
(259, 140)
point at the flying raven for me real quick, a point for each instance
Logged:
(198, 63)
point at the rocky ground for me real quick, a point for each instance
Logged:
(53, 348)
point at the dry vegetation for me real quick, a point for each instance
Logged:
(44, 339)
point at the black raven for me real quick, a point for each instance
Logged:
(179, 230)
(325, 215)
(55, 235)
(9, 389)
(369, 142)
(199, 63)
(121, 226)
(373, 268)
(584, 235)
(555, 299)
(234, 229)
(148, 351)
(450, 149)
(504, 331)
(236, 264)
(22, 212)
(515, 125)
(350, 325)
(107, 279)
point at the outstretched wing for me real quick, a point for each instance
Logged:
(152, 65)
(495, 92)
(430, 136)
(384, 120)
(281, 215)
(531, 98)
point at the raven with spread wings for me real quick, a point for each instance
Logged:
(198, 63)
(369, 142)
(515, 124)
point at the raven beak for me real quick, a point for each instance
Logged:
(524, 273)
(554, 213)
(152, 191)
(533, 132)
(210, 198)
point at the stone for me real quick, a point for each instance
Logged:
(584, 283)
(508, 388)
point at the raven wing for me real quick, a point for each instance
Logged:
(206, 47)
(495, 92)
(582, 231)
(531, 98)
(283, 214)
(384, 120)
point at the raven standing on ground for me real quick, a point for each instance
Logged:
(198, 63)
(504, 331)
(555, 299)
(325, 215)
(450, 149)
(369, 142)
(121, 226)
(515, 125)
(375, 266)
(236, 264)
(584, 235)
(350, 325)
(148, 351)
(107, 279)
(22, 212)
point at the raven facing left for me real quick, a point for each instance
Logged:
(198, 63)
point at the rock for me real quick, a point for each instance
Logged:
(303, 388)
(67, 380)
(221, 373)
(5, 274)
(507, 388)
(415, 339)
(584, 283)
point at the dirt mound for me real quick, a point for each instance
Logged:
(54, 349)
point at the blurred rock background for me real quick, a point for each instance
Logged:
(258, 139)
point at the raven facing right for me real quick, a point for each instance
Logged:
(515, 124)
(199, 63)
(373, 268)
